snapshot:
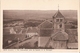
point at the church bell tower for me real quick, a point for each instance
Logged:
(58, 21)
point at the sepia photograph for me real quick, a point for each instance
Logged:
(39, 29)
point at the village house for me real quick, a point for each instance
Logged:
(73, 38)
(15, 30)
(32, 31)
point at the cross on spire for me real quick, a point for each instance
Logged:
(58, 7)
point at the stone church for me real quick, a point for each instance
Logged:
(53, 34)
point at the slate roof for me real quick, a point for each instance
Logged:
(58, 15)
(72, 33)
(44, 32)
(68, 26)
(46, 24)
(61, 35)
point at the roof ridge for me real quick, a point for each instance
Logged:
(61, 32)
(55, 33)
(58, 14)
(44, 21)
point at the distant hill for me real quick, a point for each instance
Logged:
(37, 14)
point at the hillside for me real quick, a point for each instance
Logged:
(37, 14)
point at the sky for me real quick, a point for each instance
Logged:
(40, 4)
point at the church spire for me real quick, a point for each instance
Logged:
(58, 7)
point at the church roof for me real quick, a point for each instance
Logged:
(58, 15)
(43, 41)
(61, 35)
(45, 24)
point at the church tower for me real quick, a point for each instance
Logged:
(58, 21)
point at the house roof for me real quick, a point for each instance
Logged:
(73, 45)
(58, 15)
(32, 30)
(68, 26)
(46, 24)
(24, 30)
(61, 35)
(72, 33)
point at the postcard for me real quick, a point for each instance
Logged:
(39, 25)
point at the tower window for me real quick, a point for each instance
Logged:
(60, 20)
(60, 25)
(57, 20)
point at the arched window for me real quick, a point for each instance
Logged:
(61, 20)
(57, 20)
(60, 25)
